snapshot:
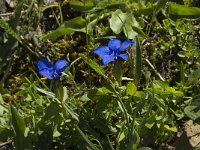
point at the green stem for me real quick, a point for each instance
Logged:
(121, 102)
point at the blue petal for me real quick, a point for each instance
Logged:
(61, 65)
(114, 44)
(102, 50)
(48, 73)
(125, 45)
(57, 74)
(108, 58)
(44, 64)
(123, 56)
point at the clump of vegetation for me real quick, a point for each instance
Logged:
(56, 93)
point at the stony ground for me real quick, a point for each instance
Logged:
(189, 138)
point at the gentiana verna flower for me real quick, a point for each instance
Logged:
(114, 51)
(50, 71)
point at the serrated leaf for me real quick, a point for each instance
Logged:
(94, 65)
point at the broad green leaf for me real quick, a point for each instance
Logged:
(131, 89)
(82, 6)
(117, 21)
(125, 22)
(138, 62)
(94, 65)
(177, 11)
(128, 27)
(76, 24)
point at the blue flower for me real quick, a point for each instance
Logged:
(51, 71)
(113, 51)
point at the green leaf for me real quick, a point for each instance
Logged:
(125, 22)
(76, 24)
(114, 5)
(138, 62)
(51, 112)
(45, 92)
(117, 21)
(82, 6)
(177, 11)
(94, 65)
(65, 94)
(152, 9)
(173, 129)
(144, 148)
(71, 112)
(19, 128)
(17, 121)
(128, 27)
(160, 5)
(147, 10)
(192, 112)
(195, 76)
(121, 136)
(86, 139)
(131, 89)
